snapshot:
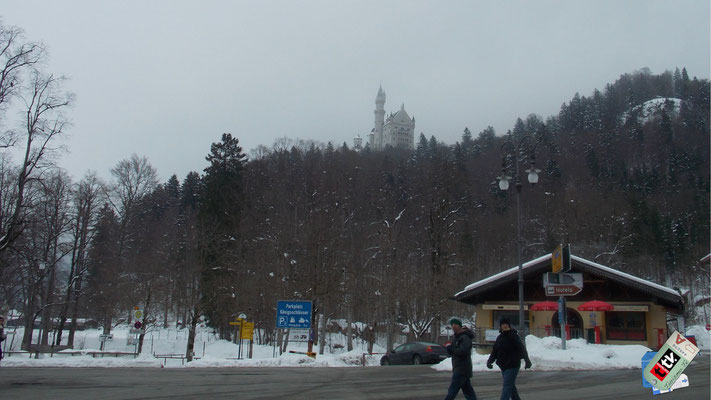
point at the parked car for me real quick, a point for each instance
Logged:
(415, 353)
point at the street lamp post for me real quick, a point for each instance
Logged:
(514, 151)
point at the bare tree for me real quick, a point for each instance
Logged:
(135, 179)
(44, 123)
(17, 59)
(87, 196)
(53, 211)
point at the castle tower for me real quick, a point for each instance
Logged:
(358, 143)
(399, 130)
(377, 141)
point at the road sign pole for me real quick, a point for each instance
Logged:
(563, 311)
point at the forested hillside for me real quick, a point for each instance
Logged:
(373, 236)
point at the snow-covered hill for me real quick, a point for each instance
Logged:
(652, 109)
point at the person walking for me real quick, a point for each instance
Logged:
(508, 352)
(2, 333)
(461, 351)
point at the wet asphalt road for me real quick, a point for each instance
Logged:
(394, 382)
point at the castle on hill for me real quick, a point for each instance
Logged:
(397, 130)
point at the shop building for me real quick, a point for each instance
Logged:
(642, 312)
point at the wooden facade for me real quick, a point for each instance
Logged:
(640, 315)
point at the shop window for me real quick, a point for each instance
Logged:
(626, 325)
(512, 315)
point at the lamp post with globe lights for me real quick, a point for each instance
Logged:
(516, 152)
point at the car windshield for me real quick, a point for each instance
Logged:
(429, 344)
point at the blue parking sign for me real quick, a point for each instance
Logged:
(293, 314)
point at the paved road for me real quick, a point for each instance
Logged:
(394, 382)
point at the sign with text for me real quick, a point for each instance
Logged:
(247, 331)
(560, 259)
(293, 314)
(299, 335)
(574, 278)
(490, 335)
(557, 258)
(563, 284)
(563, 290)
(671, 360)
(502, 307)
(682, 382)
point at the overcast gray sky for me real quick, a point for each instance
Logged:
(165, 79)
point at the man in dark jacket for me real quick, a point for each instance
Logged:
(461, 351)
(2, 333)
(508, 352)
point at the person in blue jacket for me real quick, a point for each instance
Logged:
(461, 351)
(508, 352)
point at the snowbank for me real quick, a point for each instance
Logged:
(209, 352)
(212, 359)
(702, 336)
(81, 361)
(546, 355)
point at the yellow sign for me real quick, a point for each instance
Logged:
(557, 256)
(236, 323)
(247, 331)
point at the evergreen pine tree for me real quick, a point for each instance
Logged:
(219, 214)
(676, 83)
(486, 138)
(190, 191)
(467, 141)
(432, 146)
(421, 149)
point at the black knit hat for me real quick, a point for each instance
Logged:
(504, 320)
(455, 321)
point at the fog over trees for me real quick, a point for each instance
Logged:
(378, 237)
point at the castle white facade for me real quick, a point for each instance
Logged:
(397, 130)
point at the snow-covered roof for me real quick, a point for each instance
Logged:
(627, 276)
(401, 116)
(511, 271)
(579, 264)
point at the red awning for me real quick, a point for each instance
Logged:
(545, 306)
(596, 305)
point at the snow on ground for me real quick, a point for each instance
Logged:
(702, 336)
(545, 353)
(210, 352)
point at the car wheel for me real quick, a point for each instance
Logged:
(417, 360)
(384, 361)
